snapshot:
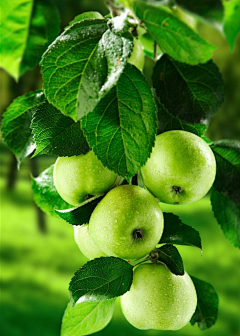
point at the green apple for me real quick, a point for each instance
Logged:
(127, 223)
(137, 57)
(85, 242)
(181, 168)
(159, 299)
(75, 177)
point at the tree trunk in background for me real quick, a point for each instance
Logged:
(12, 173)
(41, 218)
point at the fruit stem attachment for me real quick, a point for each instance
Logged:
(177, 189)
(154, 255)
(142, 261)
(137, 234)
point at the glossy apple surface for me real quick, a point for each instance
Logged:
(85, 242)
(75, 177)
(127, 223)
(181, 168)
(137, 57)
(159, 299)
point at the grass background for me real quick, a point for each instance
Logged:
(36, 268)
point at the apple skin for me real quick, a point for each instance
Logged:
(137, 57)
(159, 299)
(179, 159)
(75, 177)
(127, 223)
(86, 243)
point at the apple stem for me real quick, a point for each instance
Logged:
(142, 261)
(153, 256)
(177, 189)
(137, 234)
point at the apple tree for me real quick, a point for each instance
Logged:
(124, 145)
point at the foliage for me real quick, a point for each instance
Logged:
(28, 27)
(207, 308)
(175, 232)
(93, 98)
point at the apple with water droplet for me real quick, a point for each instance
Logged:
(85, 242)
(76, 177)
(159, 299)
(181, 168)
(127, 222)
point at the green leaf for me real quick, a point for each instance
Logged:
(101, 279)
(227, 214)
(86, 318)
(167, 122)
(121, 129)
(231, 25)
(81, 214)
(70, 64)
(173, 36)
(83, 64)
(16, 123)
(190, 93)
(212, 11)
(225, 197)
(175, 232)
(169, 255)
(207, 305)
(85, 16)
(56, 134)
(227, 154)
(28, 27)
(45, 194)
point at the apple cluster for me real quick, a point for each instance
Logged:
(128, 222)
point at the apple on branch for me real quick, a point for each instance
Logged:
(76, 177)
(127, 223)
(85, 242)
(181, 168)
(159, 299)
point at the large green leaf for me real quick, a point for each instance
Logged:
(167, 122)
(175, 232)
(169, 255)
(56, 134)
(28, 27)
(85, 16)
(190, 93)
(173, 36)
(68, 63)
(83, 64)
(86, 318)
(16, 123)
(227, 214)
(225, 197)
(121, 129)
(231, 26)
(212, 11)
(101, 279)
(207, 304)
(81, 214)
(45, 194)
(227, 154)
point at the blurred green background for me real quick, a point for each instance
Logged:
(39, 255)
